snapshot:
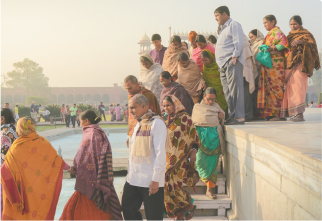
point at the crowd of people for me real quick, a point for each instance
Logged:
(177, 109)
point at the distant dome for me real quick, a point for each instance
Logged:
(145, 38)
(182, 34)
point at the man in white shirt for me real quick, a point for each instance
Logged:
(45, 114)
(147, 163)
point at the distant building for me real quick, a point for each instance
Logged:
(145, 44)
(71, 95)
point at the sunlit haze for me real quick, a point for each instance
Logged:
(94, 43)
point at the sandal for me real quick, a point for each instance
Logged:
(234, 122)
(190, 213)
(277, 119)
(297, 119)
(211, 196)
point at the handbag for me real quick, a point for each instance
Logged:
(264, 57)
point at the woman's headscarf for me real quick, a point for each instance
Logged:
(177, 105)
(170, 59)
(149, 78)
(256, 43)
(148, 56)
(25, 126)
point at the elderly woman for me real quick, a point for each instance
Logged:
(149, 75)
(190, 78)
(301, 61)
(271, 80)
(31, 176)
(170, 59)
(202, 45)
(184, 140)
(256, 39)
(94, 197)
(211, 75)
(208, 117)
(173, 88)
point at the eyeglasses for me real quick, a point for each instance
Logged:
(213, 100)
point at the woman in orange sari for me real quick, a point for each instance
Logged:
(301, 61)
(31, 176)
(271, 80)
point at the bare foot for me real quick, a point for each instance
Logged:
(275, 119)
(240, 119)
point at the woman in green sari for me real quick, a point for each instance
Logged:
(211, 75)
(208, 117)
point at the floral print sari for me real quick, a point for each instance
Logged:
(183, 136)
(271, 80)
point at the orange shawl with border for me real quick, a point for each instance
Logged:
(31, 179)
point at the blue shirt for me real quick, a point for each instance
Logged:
(230, 43)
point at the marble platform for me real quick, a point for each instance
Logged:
(274, 169)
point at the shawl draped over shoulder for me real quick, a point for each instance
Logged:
(94, 167)
(190, 78)
(149, 78)
(176, 89)
(204, 115)
(306, 53)
(153, 106)
(255, 45)
(170, 59)
(250, 71)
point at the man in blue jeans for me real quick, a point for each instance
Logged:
(73, 114)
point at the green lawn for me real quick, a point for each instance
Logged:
(44, 128)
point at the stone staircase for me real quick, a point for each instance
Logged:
(208, 209)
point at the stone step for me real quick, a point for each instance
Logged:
(202, 218)
(201, 187)
(206, 206)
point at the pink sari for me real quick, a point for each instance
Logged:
(295, 93)
(118, 113)
(196, 55)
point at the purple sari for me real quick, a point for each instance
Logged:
(181, 93)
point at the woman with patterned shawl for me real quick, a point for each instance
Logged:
(170, 59)
(271, 80)
(184, 140)
(174, 88)
(301, 61)
(31, 176)
(149, 75)
(94, 197)
(211, 75)
(202, 45)
(208, 117)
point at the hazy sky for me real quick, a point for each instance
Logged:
(93, 43)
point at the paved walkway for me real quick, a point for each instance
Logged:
(63, 123)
